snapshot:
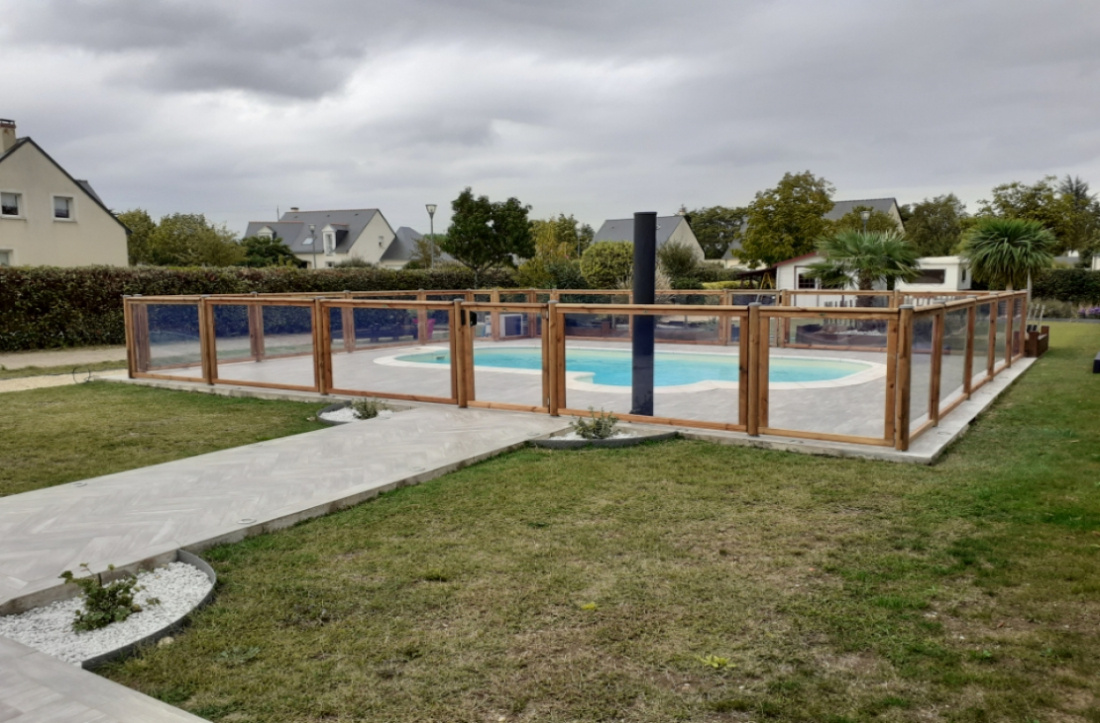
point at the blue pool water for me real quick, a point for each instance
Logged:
(612, 366)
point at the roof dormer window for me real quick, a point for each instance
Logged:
(266, 232)
(328, 237)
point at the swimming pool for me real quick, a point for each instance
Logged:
(610, 369)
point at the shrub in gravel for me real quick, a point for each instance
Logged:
(103, 604)
(599, 425)
(368, 408)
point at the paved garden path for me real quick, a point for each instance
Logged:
(147, 514)
(60, 357)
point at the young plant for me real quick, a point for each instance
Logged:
(599, 425)
(103, 604)
(368, 408)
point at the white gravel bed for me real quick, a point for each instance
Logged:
(348, 414)
(574, 436)
(49, 629)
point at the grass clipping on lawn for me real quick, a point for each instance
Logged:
(683, 581)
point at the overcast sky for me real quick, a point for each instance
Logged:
(598, 108)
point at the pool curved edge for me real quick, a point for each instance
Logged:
(582, 381)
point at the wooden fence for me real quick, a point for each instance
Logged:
(935, 350)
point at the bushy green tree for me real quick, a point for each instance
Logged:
(935, 225)
(876, 221)
(262, 251)
(484, 234)
(1004, 252)
(678, 261)
(188, 239)
(555, 243)
(608, 264)
(786, 221)
(138, 243)
(426, 252)
(716, 228)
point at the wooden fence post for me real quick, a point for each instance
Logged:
(322, 346)
(458, 354)
(494, 315)
(553, 365)
(991, 355)
(256, 331)
(752, 421)
(904, 375)
(207, 343)
(785, 324)
(968, 360)
(938, 322)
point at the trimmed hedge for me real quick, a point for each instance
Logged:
(47, 307)
(1074, 286)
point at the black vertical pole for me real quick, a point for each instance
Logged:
(645, 272)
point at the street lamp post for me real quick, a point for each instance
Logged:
(313, 243)
(431, 233)
(865, 215)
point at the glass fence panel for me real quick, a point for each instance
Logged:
(509, 371)
(980, 352)
(833, 382)
(746, 297)
(1017, 327)
(920, 365)
(1002, 334)
(269, 345)
(695, 377)
(598, 366)
(173, 337)
(388, 355)
(953, 371)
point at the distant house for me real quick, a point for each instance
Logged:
(325, 238)
(940, 273)
(47, 217)
(888, 206)
(402, 250)
(670, 229)
(937, 273)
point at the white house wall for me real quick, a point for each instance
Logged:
(93, 236)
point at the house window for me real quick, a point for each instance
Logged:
(329, 238)
(805, 281)
(63, 208)
(11, 204)
(5, 258)
(963, 271)
(265, 232)
(931, 276)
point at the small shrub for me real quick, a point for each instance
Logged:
(368, 408)
(599, 425)
(678, 260)
(607, 264)
(103, 604)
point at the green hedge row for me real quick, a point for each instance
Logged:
(1074, 286)
(48, 307)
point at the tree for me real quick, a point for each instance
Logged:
(876, 221)
(867, 258)
(141, 227)
(677, 261)
(785, 221)
(188, 239)
(1082, 227)
(426, 252)
(566, 232)
(608, 264)
(1006, 252)
(716, 228)
(556, 243)
(263, 251)
(935, 225)
(485, 234)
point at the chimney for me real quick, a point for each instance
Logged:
(7, 134)
(294, 209)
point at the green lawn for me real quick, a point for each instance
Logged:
(683, 581)
(60, 434)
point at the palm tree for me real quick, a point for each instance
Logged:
(868, 258)
(1005, 252)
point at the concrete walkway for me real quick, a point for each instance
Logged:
(22, 384)
(143, 516)
(59, 357)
